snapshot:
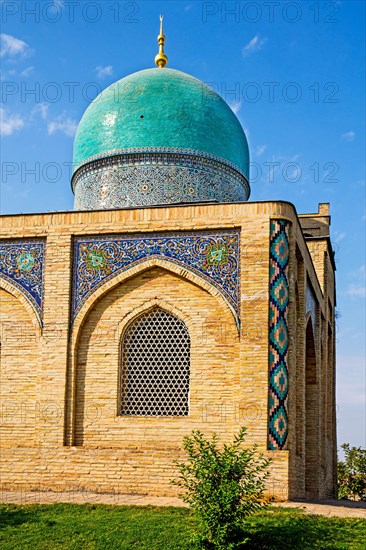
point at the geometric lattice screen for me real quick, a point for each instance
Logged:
(155, 366)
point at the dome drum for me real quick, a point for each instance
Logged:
(153, 178)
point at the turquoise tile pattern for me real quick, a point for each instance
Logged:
(213, 256)
(160, 108)
(278, 335)
(155, 178)
(22, 265)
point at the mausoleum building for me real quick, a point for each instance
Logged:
(165, 302)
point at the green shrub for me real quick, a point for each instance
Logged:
(222, 486)
(352, 473)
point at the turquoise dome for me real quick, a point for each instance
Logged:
(161, 109)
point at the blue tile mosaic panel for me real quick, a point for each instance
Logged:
(278, 335)
(22, 265)
(213, 256)
(146, 179)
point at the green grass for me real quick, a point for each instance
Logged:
(102, 527)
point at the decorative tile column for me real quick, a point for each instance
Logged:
(278, 335)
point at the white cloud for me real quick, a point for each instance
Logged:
(351, 398)
(360, 273)
(339, 236)
(63, 124)
(295, 174)
(59, 4)
(9, 123)
(349, 136)
(254, 45)
(235, 106)
(102, 72)
(350, 394)
(279, 163)
(27, 72)
(42, 109)
(56, 7)
(259, 150)
(11, 46)
(357, 289)
(350, 374)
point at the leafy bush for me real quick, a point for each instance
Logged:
(222, 486)
(352, 473)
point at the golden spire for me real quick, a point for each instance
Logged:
(161, 59)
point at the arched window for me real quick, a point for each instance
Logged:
(155, 366)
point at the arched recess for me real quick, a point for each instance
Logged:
(28, 306)
(330, 414)
(298, 387)
(109, 288)
(312, 420)
(19, 369)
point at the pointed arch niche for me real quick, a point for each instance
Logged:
(94, 378)
(20, 368)
(312, 427)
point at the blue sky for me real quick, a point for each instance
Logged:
(292, 71)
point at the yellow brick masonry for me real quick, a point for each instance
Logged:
(60, 427)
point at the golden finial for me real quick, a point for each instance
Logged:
(161, 59)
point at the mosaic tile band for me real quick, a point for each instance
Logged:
(160, 150)
(213, 256)
(278, 335)
(22, 265)
(146, 179)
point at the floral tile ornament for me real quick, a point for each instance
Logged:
(22, 265)
(213, 256)
(96, 260)
(217, 254)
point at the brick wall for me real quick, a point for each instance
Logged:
(71, 435)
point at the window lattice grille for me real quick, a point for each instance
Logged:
(155, 366)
